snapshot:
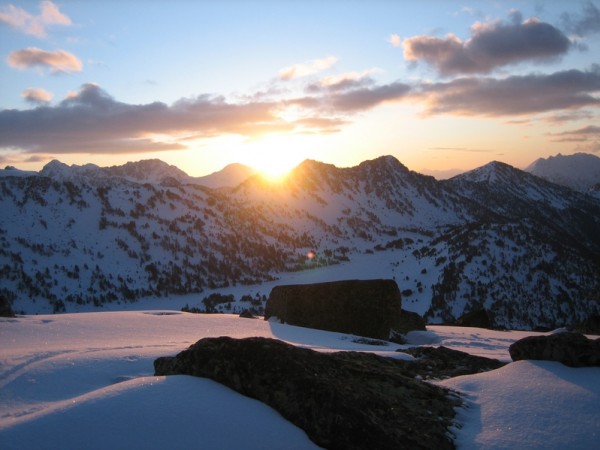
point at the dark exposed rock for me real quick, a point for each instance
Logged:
(442, 362)
(409, 321)
(480, 318)
(247, 314)
(5, 308)
(589, 326)
(571, 349)
(368, 308)
(344, 400)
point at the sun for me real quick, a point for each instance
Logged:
(275, 156)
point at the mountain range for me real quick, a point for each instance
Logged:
(499, 238)
(580, 171)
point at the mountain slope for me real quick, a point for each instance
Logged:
(532, 258)
(495, 237)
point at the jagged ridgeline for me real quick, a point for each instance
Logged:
(495, 238)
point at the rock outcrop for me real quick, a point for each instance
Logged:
(442, 362)
(344, 400)
(409, 321)
(479, 318)
(589, 326)
(369, 308)
(5, 308)
(571, 349)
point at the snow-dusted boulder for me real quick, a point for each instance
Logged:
(479, 318)
(571, 349)
(343, 400)
(368, 308)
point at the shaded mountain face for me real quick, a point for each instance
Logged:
(580, 171)
(495, 238)
(231, 176)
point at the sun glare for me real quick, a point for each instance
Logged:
(275, 156)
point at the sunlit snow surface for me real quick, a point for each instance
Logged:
(86, 380)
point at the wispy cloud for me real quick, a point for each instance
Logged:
(463, 149)
(590, 133)
(588, 22)
(58, 61)
(307, 68)
(36, 96)
(490, 46)
(395, 40)
(35, 25)
(342, 82)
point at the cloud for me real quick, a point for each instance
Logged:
(490, 46)
(395, 40)
(586, 23)
(58, 61)
(36, 95)
(462, 149)
(324, 125)
(27, 23)
(91, 121)
(343, 82)
(367, 98)
(570, 116)
(305, 69)
(591, 133)
(351, 101)
(516, 95)
(593, 130)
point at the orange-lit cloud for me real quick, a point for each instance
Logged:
(490, 46)
(308, 68)
(343, 81)
(395, 40)
(27, 23)
(58, 61)
(36, 95)
(91, 121)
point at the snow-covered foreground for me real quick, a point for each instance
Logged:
(86, 380)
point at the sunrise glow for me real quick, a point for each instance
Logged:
(439, 85)
(275, 155)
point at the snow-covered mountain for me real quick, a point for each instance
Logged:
(153, 171)
(580, 171)
(230, 176)
(147, 171)
(495, 237)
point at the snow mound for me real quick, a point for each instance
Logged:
(529, 405)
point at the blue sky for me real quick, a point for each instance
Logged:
(200, 84)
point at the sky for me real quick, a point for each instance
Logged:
(441, 85)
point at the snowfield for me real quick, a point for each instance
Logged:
(85, 380)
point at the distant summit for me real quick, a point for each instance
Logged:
(580, 171)
(231, 176)
(152, 171)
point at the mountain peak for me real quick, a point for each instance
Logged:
(491, 173)
(580, 171)
(148, 171)
(61, 171)
(230, 176)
